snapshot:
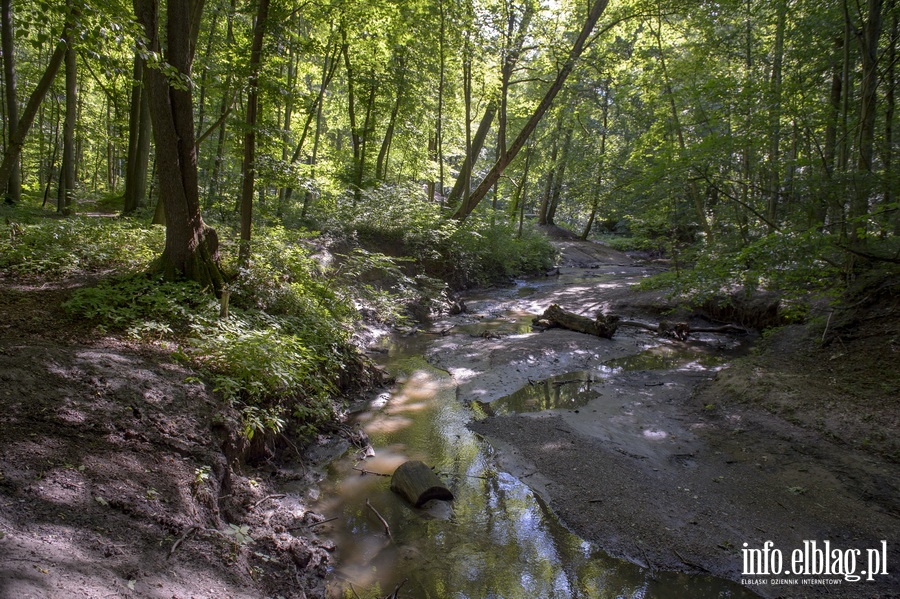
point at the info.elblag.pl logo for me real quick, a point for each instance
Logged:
(814, 563)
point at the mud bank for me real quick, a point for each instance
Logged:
(665, 467)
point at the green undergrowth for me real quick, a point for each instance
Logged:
(482, 250)
(283, 354)
(790, 266)
(33, 246)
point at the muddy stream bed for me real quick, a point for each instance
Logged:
(499, 538)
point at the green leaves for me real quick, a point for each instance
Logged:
(56, 248)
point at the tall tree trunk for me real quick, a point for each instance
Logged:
(355, 137)
(522, 190)
(224, 109)
(747, 150)
(844, 150)
(476, 143)
(292, 63)
(693, 194)
(368, 124)
(829, 153)
(595, 202)
(139, 133)
(310, 196)
(827, 209)
(67, 179)
(438, 154)
(871, 32)
(560, 176)
(513, 42)
(544, 208)
(201, 101)
(54, 155)
(14, 188)
(774, 191)
(515, 39)
(381, 164)
(596, 9)
(249, 165)
(191, 247)
(890, 178)
(465, 174)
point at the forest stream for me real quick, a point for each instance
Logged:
(582, 467)
(499, 538)
(585, 467)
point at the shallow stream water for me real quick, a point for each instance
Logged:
(496, 539)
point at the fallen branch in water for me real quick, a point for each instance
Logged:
(314, 524)
(387, 528)
(601, 326)
(363, 471)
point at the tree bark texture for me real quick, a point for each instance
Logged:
(67, 178)
(602, 326)
(191, 247)
(249, 164)
(14, 188)
(139, 133)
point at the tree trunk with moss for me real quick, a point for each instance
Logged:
(191, 249)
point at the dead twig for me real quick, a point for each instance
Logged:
(314, 524)
(395, 595)
(189, 532)
(387, 528)
(266, 498)
(363, 471)
(825, 332)
(297, 451)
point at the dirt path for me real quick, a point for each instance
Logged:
(677, 469)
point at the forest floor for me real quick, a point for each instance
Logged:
(113, 474)
(679, 468)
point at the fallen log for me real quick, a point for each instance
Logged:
(417, 483)
(602, 326)
(606, 325)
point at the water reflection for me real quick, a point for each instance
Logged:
(571, 390)
(666, 357)
(496, 540)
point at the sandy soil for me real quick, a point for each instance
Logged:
(114, 478)
(677, 469)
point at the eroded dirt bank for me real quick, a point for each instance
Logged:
(677, 469)
(113, 475)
